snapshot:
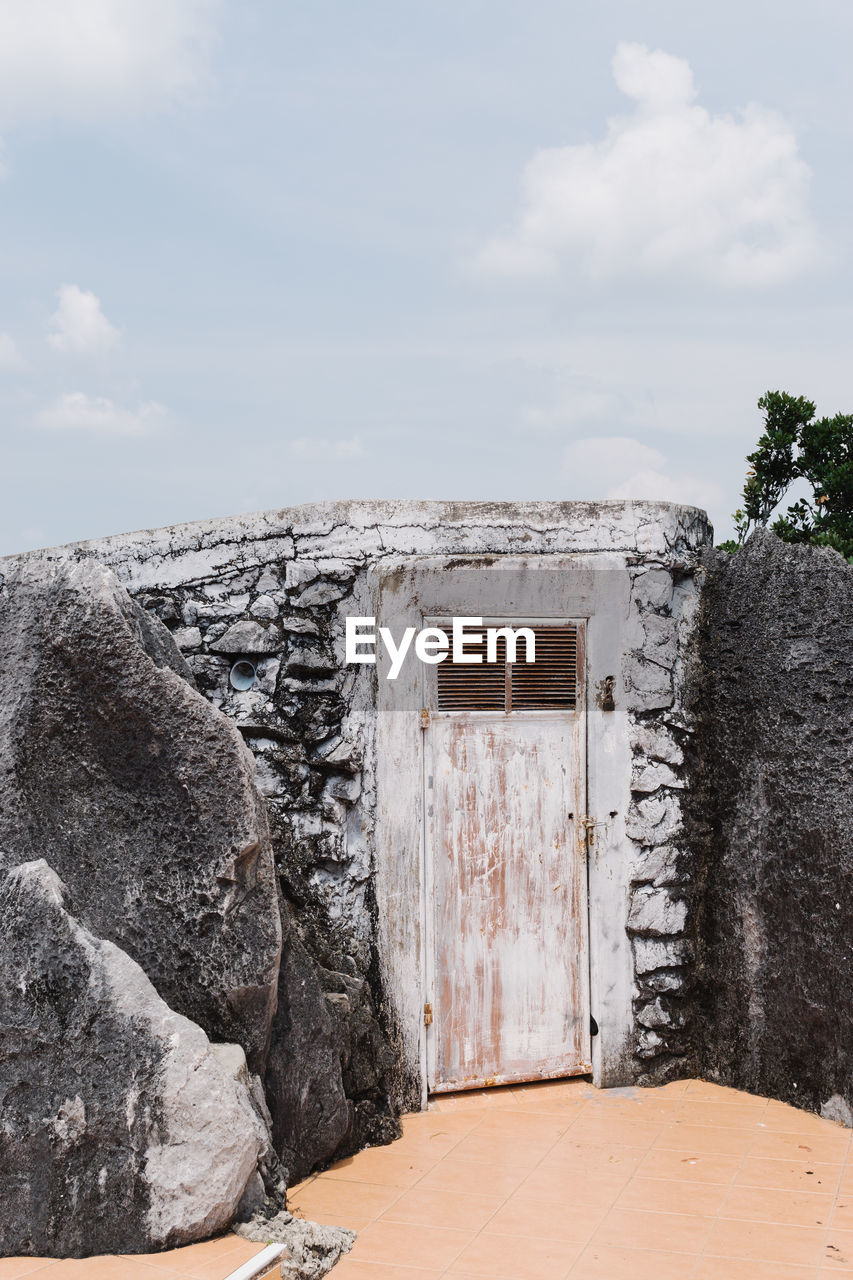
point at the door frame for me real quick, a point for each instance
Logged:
(400, 592)
(427, 869)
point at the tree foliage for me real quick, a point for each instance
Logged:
(795, 445)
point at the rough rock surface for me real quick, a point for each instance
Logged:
(769, 815)
(120, 1130)
(660, 918)
(367, 1060)
(312, 1249)
(310, 744)
(310, 1113)
(140, 796)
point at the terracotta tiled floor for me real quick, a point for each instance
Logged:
(559, 1181)
(209, 1261)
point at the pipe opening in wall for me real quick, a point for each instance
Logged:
(242, 675)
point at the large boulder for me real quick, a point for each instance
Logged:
(120, 1131)
(768, 815)
(139, 794)
(310, 1112)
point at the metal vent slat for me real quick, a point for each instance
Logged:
(548, 684)
(470, 687)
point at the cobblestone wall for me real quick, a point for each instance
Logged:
(273, 590)
(660, 919)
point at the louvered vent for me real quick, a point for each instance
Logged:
(470, 687)
(548, 684)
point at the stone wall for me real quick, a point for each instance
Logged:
(769, 818)
(661, 914)
(273, 589)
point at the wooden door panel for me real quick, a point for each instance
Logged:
(509, 980)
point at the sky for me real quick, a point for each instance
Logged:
(278, 251)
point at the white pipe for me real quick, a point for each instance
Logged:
(258, 1265)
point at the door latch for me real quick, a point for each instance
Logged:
(425, 718)
(427, 1015)
(589, 825)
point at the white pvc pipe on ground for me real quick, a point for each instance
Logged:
(260, 1264)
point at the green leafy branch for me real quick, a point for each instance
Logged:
(796, 445)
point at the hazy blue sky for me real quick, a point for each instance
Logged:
(261, 253)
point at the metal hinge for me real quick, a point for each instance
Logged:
(427, 1015)
(425, 718)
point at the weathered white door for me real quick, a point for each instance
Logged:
(507, 974)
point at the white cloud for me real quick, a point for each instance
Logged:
(670, 188)
(79, 325)
(75, 411)
(80, 57)
(621, 467)
(324, 450)
(10, 356)
(581, 402)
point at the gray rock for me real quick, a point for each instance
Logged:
(320, 593)
(661, 635)
(304, 1084)
(248, 637)
(299, 626)
(768, 817)
(649, 777)
(656, 912)
(659, 1014)
(120, 1131)
(298, 572)
(654, 820)
(367, 1060)
(665, 981)
(140, 794)
(653, 588)
(264, 607)
(838, 1109)
(656, 743)
(187, 637)
(312, 1249)
(268, 581)
(650, 1044)
(311, 661)
(648, 678)
(661, 866)
(660, 953)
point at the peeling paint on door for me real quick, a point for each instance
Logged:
(507, 911)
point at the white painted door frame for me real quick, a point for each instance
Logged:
(568, 1052)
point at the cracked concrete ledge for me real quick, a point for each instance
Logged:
(366, 530)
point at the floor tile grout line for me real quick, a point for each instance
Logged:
(574, 1115)
(404, 1190)
(704, 1252)
(508, 1196)
(830, 1226)
(762, 1111)
(415, 1184)
(585, 1244)
(633, 1175)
